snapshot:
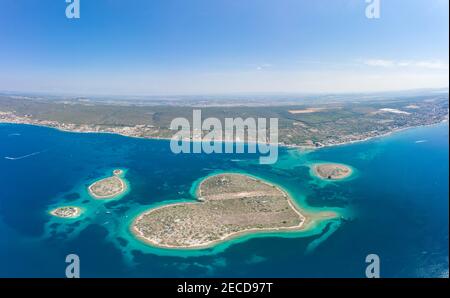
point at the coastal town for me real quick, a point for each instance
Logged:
(304, 126)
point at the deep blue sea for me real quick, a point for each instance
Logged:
(395, 206)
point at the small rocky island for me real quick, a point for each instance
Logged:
(66, 212)
(229, 205)
(332, 171)
(108, 188)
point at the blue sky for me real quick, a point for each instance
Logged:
(222, 46)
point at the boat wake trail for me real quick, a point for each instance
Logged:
(24, 156)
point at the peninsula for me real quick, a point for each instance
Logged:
(66, 212)
(229, 205)
(332, 171)
(108, 188)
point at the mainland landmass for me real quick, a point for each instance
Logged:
(332, 171)
(66, 212)
(228, 205)
(309, 121)
(108, 188)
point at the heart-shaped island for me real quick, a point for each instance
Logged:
(229, 205)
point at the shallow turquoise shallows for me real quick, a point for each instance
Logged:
(395, 205)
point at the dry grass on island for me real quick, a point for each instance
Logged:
(332, 171)
(108, 188)
(66, 212)
(230, 204)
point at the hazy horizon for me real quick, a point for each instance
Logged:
(418, 91)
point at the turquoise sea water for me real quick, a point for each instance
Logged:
(395, 205)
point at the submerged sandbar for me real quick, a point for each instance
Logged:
(66, 212)
(229, 205)
(332, 171)
(108, 188)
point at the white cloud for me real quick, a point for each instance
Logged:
(263, 66)
(379, 62)
(428, 64)
(433, 64)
